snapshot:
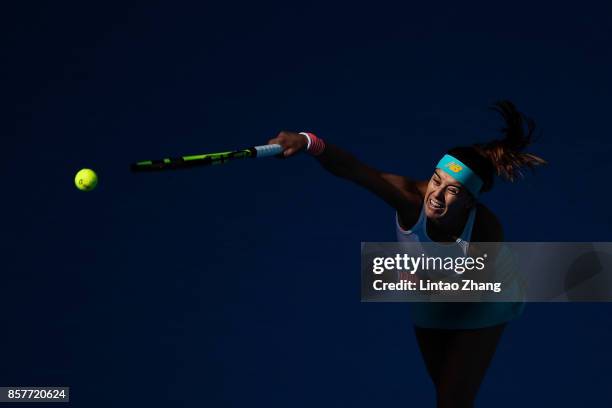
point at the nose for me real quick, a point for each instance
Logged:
(438, 194)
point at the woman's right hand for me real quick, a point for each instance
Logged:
(291, 142)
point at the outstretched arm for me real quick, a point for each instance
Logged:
(399, 192)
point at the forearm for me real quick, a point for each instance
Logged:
(334, 159)
(339, 162)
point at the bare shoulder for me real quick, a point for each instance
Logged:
(413, 191)
(487, 226)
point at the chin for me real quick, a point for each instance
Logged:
(433, 215)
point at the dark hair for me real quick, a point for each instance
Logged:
(503, 157)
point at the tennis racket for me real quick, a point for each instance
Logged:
(208, 159)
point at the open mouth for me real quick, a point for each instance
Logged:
(435, 205)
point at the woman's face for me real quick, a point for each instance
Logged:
(446, 198)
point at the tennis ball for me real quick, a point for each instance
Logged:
(86, 180)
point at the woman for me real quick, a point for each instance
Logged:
(457, 340)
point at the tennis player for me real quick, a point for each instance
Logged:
(457, 340)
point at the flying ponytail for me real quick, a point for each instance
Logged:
(503, 157)
(505, 154)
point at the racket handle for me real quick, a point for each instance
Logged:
(268, 150)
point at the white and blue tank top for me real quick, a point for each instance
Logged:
(454, 315)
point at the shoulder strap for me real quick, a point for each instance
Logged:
(467, 230)
(420, 224)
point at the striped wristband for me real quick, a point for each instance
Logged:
(315, 145)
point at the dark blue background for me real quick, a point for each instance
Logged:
(238, 285)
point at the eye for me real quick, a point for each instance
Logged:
(453, 191)
(436, 182)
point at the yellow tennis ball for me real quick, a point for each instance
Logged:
(86, 180)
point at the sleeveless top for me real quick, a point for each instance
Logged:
(454, 315)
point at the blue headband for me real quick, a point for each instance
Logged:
(460, 172)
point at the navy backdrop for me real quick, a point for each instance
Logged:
(238, 285)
